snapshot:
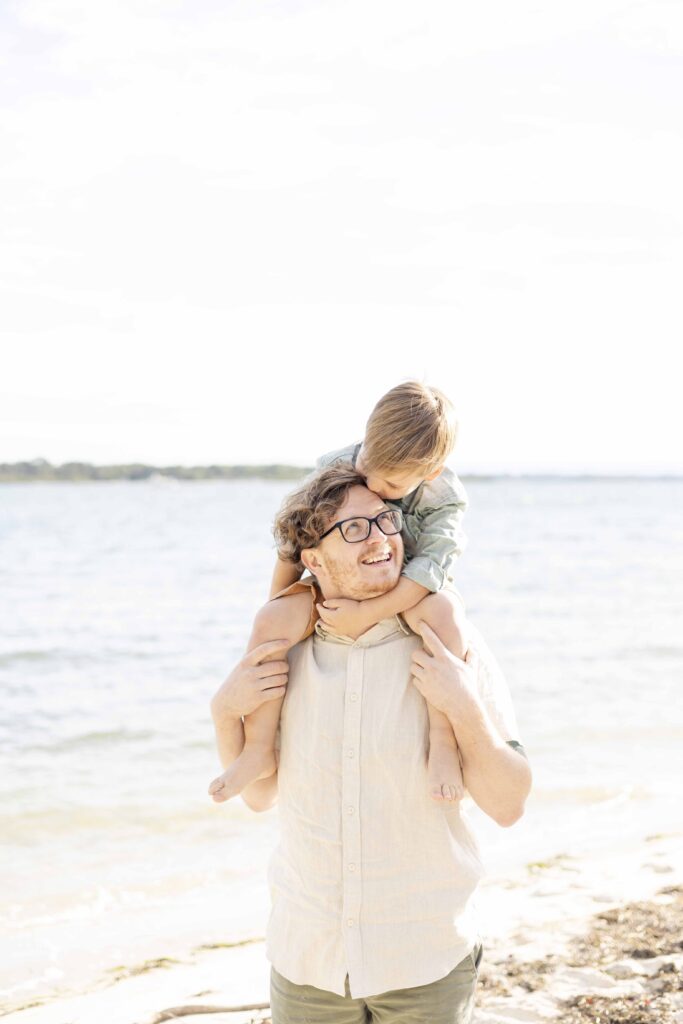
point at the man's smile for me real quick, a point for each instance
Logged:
(378, 558)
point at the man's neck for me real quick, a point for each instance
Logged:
(331, 595)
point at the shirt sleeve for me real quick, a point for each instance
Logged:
(332, 458)
(439, 544)
(494, 691)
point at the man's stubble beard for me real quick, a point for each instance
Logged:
(346, 583)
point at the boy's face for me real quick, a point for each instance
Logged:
(391, 484)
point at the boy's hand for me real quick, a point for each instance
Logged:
(345, 617)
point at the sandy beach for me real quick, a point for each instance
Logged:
(592, 940)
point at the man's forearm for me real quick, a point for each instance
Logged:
(229, 731)
(497, 777)
(259, 795)
(406, 594)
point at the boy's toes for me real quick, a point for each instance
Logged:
(436, 793)
(215, 787)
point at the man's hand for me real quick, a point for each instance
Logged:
(443, 680)
(345, 617)
(252, 682)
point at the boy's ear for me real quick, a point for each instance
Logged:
(435, 473)
(310, 559)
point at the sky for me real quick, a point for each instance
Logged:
(229, 227)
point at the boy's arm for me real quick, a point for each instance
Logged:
(284, 574)
(352, 618)
(438, 546)
(406, 594)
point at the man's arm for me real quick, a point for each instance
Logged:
(251, 682)
(497, 777)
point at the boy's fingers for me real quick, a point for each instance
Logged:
(330, 604)
(323, 612)
(263, 650)
(420, 658)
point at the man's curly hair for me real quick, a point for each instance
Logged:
(306, 513)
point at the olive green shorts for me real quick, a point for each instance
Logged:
(449, 1000)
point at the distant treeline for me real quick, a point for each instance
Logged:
(41, 470)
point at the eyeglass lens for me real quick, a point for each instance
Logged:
(356, 530)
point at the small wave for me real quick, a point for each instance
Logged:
(10, 657)
(603, 795)
(98, 738)
(125, 821)
(652, 651)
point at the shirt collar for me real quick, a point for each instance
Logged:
(394, 626)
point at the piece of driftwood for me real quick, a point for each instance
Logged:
(188, 1011)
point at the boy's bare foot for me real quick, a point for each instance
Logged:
(443, 767)
(255, 762)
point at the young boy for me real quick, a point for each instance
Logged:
(410, 434)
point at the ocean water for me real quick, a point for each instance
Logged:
(125, 604)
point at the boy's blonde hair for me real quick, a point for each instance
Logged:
(412, 427)
(306, 513)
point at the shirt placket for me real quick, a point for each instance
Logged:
(351, 846)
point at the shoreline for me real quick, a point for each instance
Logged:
(568, 938)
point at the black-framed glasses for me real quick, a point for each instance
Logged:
(359, 528)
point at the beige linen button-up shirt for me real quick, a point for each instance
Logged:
(371, 878)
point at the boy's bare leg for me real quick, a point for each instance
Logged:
(285, 618)
(445, 614)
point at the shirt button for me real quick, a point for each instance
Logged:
(349, 752)
(350, 922)
(349, 810)
(352, 867)
(354, 696)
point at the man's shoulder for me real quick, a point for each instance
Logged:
(347, 454)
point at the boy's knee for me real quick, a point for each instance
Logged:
(282, 619)
(445, 614)
(266, 620)
(444, 606)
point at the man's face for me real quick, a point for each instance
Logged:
(362, 570)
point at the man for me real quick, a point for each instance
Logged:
(372, 882)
